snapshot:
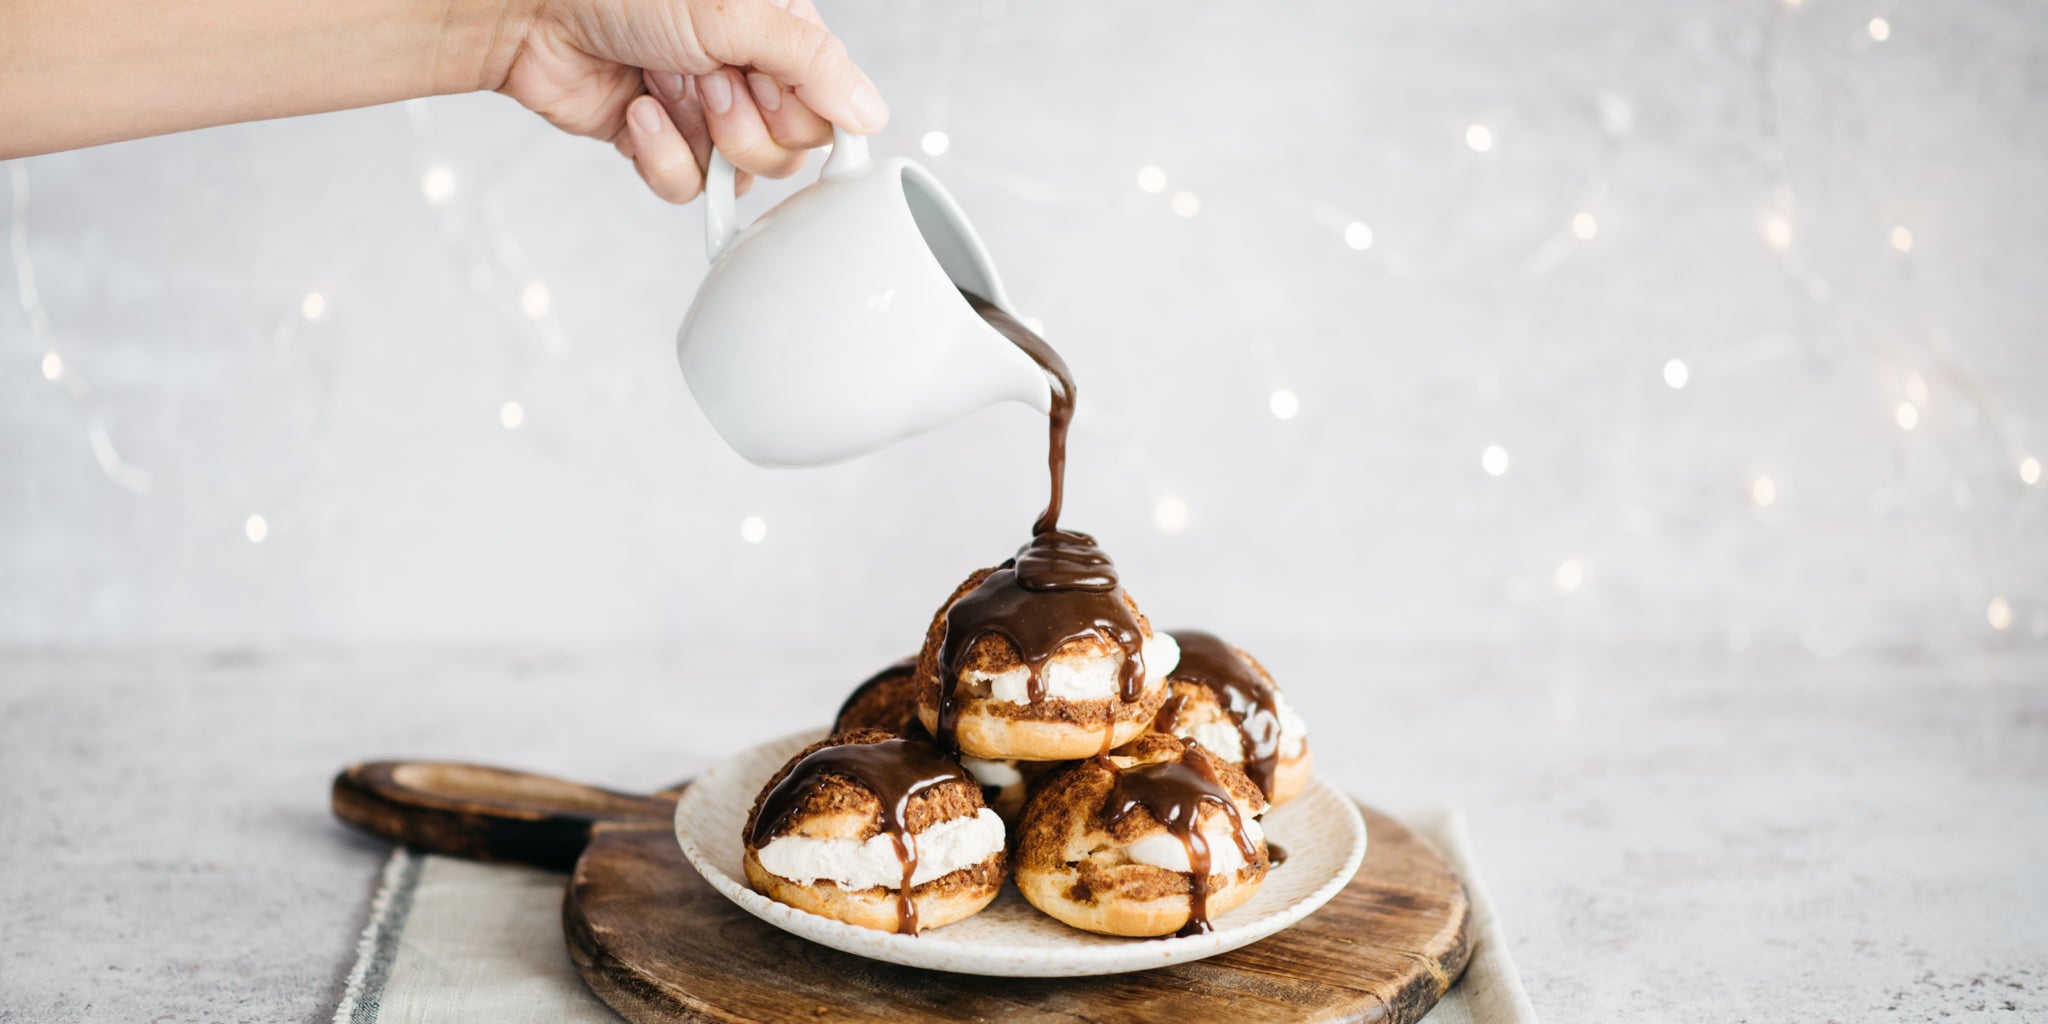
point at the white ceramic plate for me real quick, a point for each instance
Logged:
(1321, 831)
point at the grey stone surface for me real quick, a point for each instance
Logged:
(1668, 836)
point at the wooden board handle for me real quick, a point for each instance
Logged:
(472, 810)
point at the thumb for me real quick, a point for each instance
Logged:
(796, 52)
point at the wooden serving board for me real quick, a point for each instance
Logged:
(659, 945)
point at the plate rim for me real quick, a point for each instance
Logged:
(1081, 961)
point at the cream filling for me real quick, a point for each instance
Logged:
(1000, 774)
(856, 864)
(1219, 738)
(1165, 850)
(1223, 739)
(1088, 676)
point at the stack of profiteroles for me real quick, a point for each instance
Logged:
(1046, 730)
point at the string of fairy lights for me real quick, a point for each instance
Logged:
(1579, 225)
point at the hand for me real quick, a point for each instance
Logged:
(666, 80)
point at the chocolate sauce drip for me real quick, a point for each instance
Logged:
(1062, 413)
(1108, 735)
(893, 770)
(1276, 855)
(1245, 694)
(1174, 792)
(1169, 714)
(1060, 587)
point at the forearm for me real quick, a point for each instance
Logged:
(83, 72)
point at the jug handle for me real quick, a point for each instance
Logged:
(721, 213)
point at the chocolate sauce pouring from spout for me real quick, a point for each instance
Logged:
(1251, 701)
(1062, 413)
(893, 770)
(1174, 792)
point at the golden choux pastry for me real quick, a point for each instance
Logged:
(1157, 840)
(1224, 699)
(878, 831)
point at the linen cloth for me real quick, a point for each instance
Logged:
(459, 940)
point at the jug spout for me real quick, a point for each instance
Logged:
(1010, 373)
(1033, 389)
(998, 370)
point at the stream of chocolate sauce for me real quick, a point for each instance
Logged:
(1059, 587)
(1063, 395)
(1174, 792)
(893, 770)
(1248, 698)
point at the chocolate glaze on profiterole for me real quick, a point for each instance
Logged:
(1174, 792)
(1250, 700)
(1060, 587)
(894, 770)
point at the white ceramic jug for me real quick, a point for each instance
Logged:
(833, 325)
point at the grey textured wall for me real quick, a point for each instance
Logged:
(1743, 170)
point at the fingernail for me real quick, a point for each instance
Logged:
(868, 106)
(667, 84)
(780, 3)
(717, 92)
(646, 116)
(766, 93)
